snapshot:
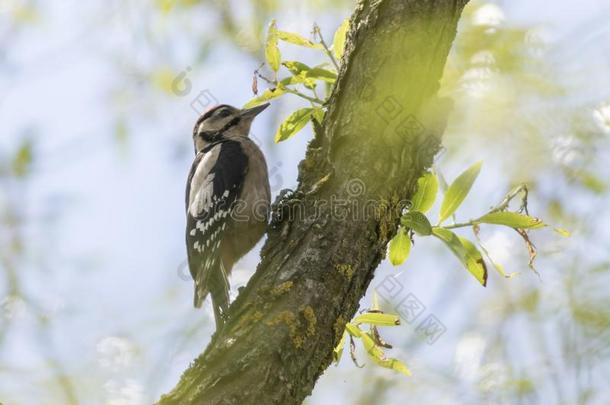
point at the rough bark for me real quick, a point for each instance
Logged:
(380, 134)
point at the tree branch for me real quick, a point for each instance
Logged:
(381, 132)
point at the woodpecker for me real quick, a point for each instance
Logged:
(227, 201)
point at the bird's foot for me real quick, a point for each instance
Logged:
(282, 206)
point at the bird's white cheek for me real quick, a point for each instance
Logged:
(199, 144)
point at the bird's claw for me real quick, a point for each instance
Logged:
(282, 204)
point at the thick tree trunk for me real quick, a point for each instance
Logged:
(380, 134)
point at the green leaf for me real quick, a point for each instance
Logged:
(392, 364)
(299, 79)
(465, 251)
(591, 181)
(339, 39)
(475, 263)
(165, 5)
(305, 74)
(338, 351)
(23, 159)
(293, 124)
(563, 232)
(399, 247)
(121, 134)
(297, 39)
(427, 188)
(377, 355)
(272, 52)
(318, 114)
(296, 68)
(500, 269)
(321, 74)
(267, 95)
(163, 79)
(417, 221)
(377, 318)
(458, 190)
(353, 330)
(512, 219)
(371, 348)
(300, 72)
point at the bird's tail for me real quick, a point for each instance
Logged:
(199, 296)
(214, 281)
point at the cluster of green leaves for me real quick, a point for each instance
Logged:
(471, 256)
(371, 340)
(303, 80)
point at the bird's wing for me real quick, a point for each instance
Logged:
(190, 179)
(215, 181)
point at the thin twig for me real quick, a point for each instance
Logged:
(266, 79)
(500, 207)
(508, 198)
(306, 97)
(461, 225)
(316, 31)
(289, 90)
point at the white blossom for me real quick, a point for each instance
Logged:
(492, 376)
(115, 353)
(12, 307)
(477, 81)
(128, 392)
(483, 58)
(601, 116)
(565, 149)
(488, 15)
(468, 356)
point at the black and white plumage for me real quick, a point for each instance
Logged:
(227, 201)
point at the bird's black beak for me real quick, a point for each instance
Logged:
(254, 111)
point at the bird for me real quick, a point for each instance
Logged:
(227, 201)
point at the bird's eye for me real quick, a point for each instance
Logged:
(224, 113)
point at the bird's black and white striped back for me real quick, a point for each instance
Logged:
(214, 183)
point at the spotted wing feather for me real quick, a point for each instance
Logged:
(215, 181)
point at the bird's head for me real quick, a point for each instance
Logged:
(224, 122)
